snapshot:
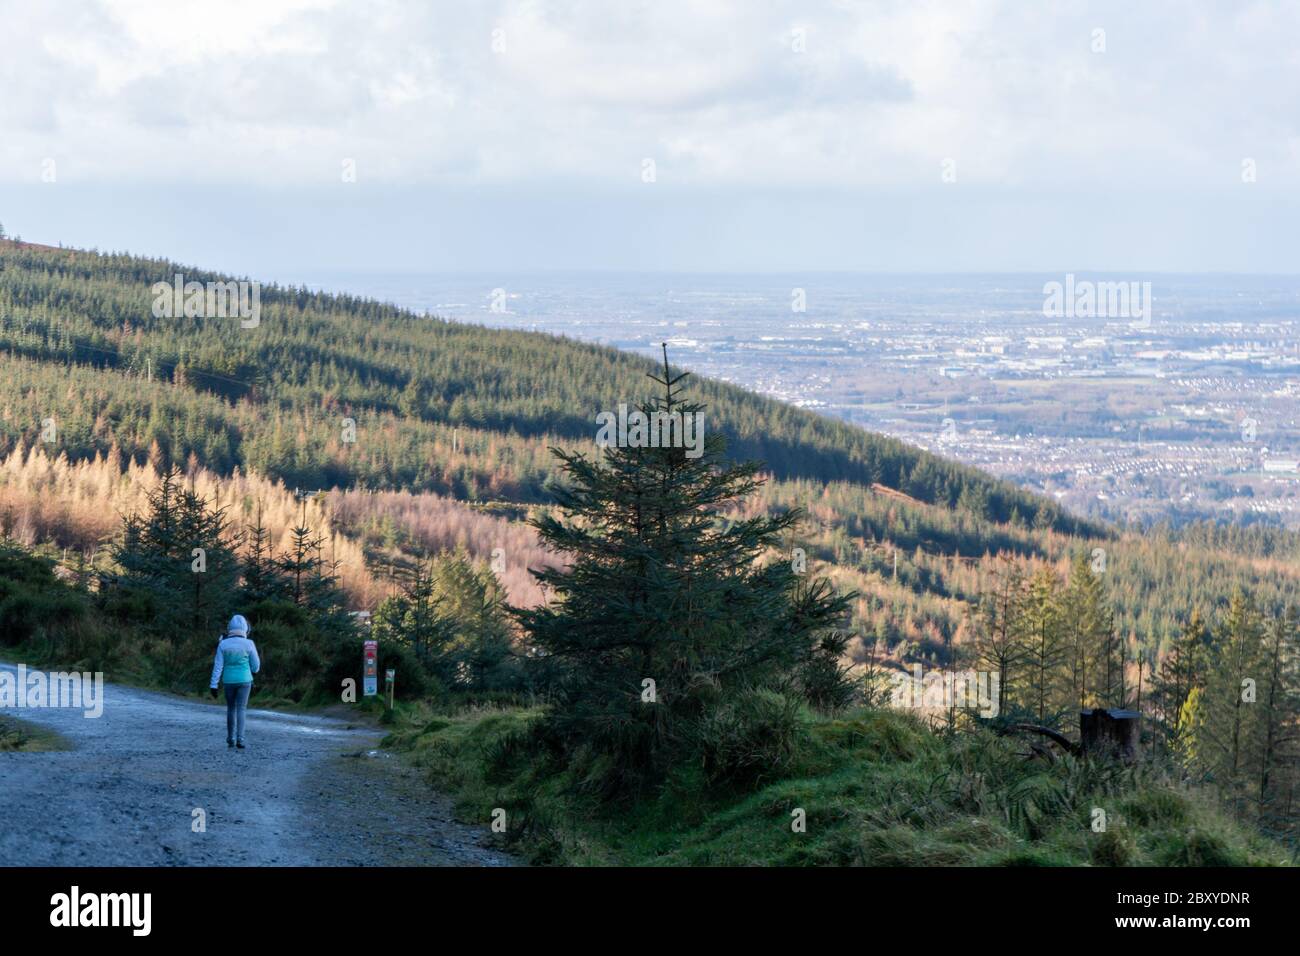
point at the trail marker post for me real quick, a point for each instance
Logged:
(370, 673)
(391, 679)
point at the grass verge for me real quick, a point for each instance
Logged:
(19, 735)
(874, 787)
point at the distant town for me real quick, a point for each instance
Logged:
(1186, 413)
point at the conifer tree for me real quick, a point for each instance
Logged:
(259, 570)
(150, 541)
(999, 638)
(1181, 671)
(1046, 649)
(665, 612)
(303, 576)
(206, 540)
(300, 563)
(1096, 653)
(1272, 746)
(422, 626)
(1229, 711)
(480, 652)
(176, 556)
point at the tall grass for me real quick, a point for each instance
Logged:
(875, 788)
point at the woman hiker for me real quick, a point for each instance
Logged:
(236, 663)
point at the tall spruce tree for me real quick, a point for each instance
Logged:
(480, 653)
(208, 540)
(421, 624)
(1046, 649)
(1271, 749)
(1096, 653)
(301, 562)
(1229, 710)
(999, 638)
(665, 611)
(1181, 671)
(177, 557)
(261, 576)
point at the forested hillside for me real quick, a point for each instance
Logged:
(342, 454)
(468, 413)
(81, 344)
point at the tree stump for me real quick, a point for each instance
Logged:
(1110, 733)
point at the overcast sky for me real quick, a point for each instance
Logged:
(277, 136)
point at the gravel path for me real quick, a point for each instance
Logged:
(308, 791)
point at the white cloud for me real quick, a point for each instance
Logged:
(275, 92)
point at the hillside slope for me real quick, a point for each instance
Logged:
(447, 412)
(429, 442)
(80, 344)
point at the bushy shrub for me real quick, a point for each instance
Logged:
(20, 568)
(19, 617)
(756, 734)
(1114, 847)
(27, 614)
(1201, 848)
(824, 677)
(127, 608)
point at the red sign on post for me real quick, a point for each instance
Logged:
(371, 671)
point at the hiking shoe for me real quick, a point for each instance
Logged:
(230, 743)
(240, 745)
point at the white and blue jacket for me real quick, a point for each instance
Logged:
(236, 661)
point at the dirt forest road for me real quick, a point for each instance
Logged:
(308, 791)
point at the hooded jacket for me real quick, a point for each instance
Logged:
(236, 661)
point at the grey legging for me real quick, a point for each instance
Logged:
(236, 707)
